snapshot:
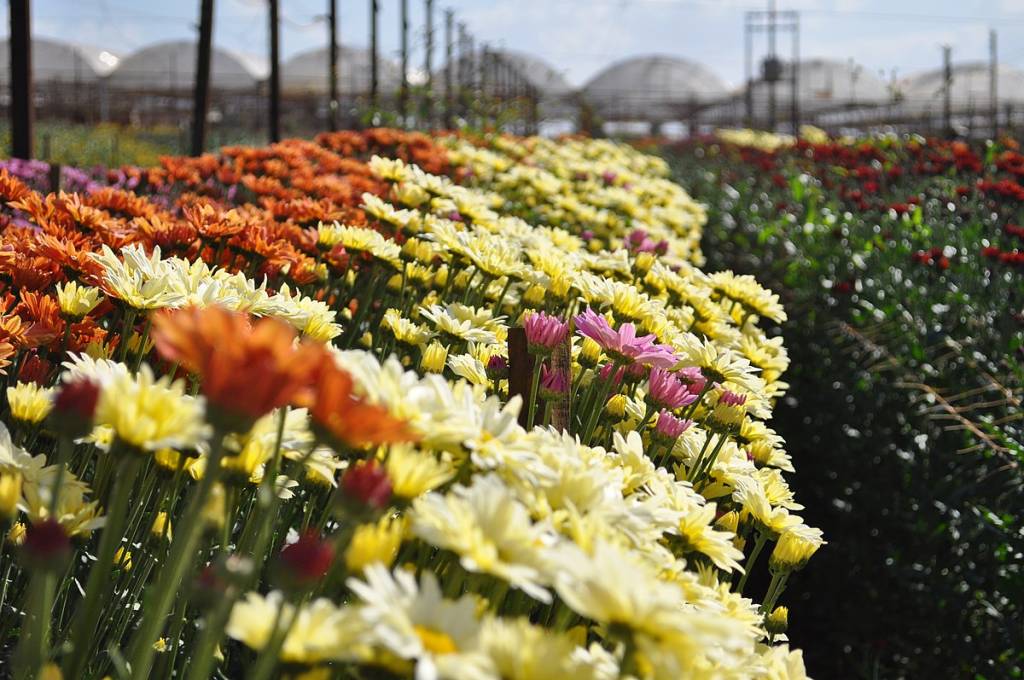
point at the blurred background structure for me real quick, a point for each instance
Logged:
(108, 104)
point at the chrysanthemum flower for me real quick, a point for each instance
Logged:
(247, 369)
(623, 345)
(340, 415)
(544, 332)
(666, 391)
(151, 414)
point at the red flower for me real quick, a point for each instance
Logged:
(305, 562)
(366, 483)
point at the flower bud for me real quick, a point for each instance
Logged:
(434, 357)
(497, 367)
(777, 622)
(74, 406)
(730, 521)
(304, 563)
(161, 527)
(616, 406)
(10, 492)
(534, 296)
(590, 353)
(47, 545)
(365, 486)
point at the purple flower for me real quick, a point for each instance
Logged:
(497, 367)
(613, 373)
(666, 391)
(669, 427)
(732, 399)
(623, 345)
(545, 332)
(553, 383)
(587, 234)
(692, 376)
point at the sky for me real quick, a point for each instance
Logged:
(577, 37)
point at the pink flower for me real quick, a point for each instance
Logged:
(669, 427)
(545, 332)
(553, 383)
(666, 391)
(732, 399)
(692, 376)
(623, 345)
(613, 373)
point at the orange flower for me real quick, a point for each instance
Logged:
(247, 369)
(339, 415)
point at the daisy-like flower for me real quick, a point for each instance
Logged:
(375, 543)
(413, 472)
(140, 281)
(696, 533)
(446, 321)
(29, 402)
(257, 370)
(666, 391)
(151, 414)
(414, 622)
(544, 332)
(76, 300)
(320, 630)
(797, 544)
(623, 345)
(490, 530)
(340, 415)
(669, 427)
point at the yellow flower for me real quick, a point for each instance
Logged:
(795, 547)
(10, 492)
(161, 526)
(123, 559)
(413, 472)
(75, 300)
(778, 621)
(29, 402)
(410, 194)
(151, 414)
(434, 357)
(377, 542)
(16, 536)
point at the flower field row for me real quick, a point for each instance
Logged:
(382, 405)
(898, 259)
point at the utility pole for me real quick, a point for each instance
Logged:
(428, 66)
(275, 74)
(947, 90)
(449, 98)
(21, 79)
(993, 77)
(201, 98)
(403, 92)
(332, 71)
(373, 54)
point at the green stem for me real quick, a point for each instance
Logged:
(126, 331)
(84, 628)
(759, 542)
(32, 647)
(160, 597)
(534, 385)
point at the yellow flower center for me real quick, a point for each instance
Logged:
(435, 641)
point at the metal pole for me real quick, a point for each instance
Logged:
(772, 56)
(947, 90)
(403, 92)
(373, 54)
(21, 79)
(332, 72)
(748, 40)
(275, 74)
(201, 99)
(993, 77)
(428, 67)
(449, 99)
(795, 101)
